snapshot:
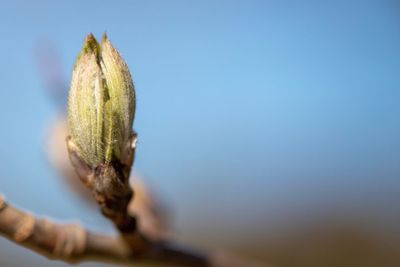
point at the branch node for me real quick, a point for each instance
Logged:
(71, 241)
(24, 228)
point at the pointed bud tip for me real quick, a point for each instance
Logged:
(105, 38)
(91, 44)
(105, 42)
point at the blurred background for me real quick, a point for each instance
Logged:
(269, 128)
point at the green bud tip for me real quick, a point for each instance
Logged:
(101, 104)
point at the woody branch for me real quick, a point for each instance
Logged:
(72, 243)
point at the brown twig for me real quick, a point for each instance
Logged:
(72, 243)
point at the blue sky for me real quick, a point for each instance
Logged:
(248, 112)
